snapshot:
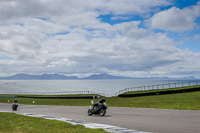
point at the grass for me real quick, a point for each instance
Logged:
(61, 102)
(23, 124)
(14, 123)
(160, 90)
(185, 101)
(10, 122)
(38, 101)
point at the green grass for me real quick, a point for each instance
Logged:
(160, 90)
(38, 101)
(61, 102)
(14, 123)
(10, 122)
(185, 101)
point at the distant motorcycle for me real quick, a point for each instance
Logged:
(98, 108)
(14, 106)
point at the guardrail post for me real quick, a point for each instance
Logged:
(163, 86)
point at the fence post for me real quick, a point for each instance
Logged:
(163, 86)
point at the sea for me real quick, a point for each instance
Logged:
(61, 87)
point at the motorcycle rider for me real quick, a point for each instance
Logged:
(97, 104)
(15, 104)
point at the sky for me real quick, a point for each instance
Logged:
(134, 38)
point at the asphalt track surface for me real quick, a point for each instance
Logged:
(141, 119)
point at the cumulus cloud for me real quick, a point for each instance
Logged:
(175, 19)
(58, 36)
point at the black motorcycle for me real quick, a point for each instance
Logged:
(99, 109)
(14, 106)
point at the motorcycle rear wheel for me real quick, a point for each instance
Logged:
(102, 112)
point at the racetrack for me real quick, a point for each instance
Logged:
(142, 119)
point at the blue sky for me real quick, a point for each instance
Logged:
(187, 37)
(149, 38)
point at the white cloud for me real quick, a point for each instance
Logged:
(175, 19)
(61, 36)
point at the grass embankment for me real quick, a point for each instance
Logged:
(161, 90)
(186, 101)
(179, 100)
(38, 101)
(14, 123)
(17, 123)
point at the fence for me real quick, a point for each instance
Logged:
(61, 93)
(8, 96)
(159, 86)
(82, 92)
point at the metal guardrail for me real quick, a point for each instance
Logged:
(60, 93)
(8, 96)
(83, 92)
(159, 86)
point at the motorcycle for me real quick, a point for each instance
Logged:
(14, 106)
(100, 109)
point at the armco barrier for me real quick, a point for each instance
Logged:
(160, 92)
(159, 87)
(8, 96)
(62, 97)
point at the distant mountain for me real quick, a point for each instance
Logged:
(22, 76)
(105, 76)
(57, 76)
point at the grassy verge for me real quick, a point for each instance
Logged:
(160, 90)
(14, 123)
(38, 101)
(61, 102)
(186, 101)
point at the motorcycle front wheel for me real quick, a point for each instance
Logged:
(89, 112)
(102, 112)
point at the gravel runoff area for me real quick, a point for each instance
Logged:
(119, 119)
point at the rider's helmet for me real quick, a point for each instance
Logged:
(16, 101)
(102, 100)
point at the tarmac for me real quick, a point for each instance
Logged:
(118, 119)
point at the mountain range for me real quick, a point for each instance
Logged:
(22, 76)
